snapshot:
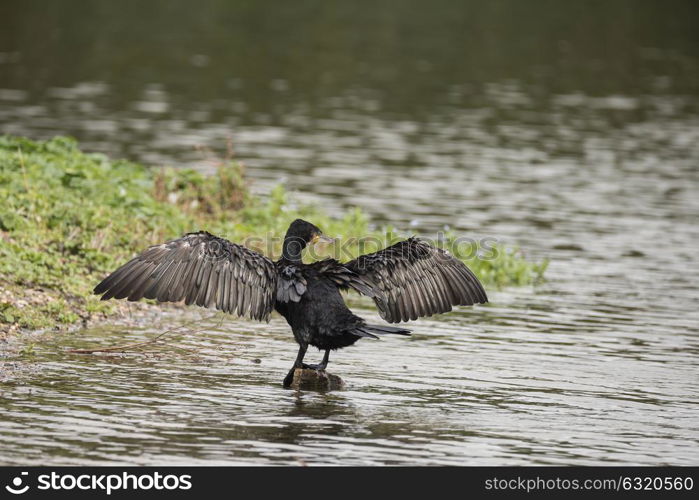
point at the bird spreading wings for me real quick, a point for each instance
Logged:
(408, 280)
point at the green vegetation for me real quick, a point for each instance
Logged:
(68, 217)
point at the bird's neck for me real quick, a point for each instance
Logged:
(292, 248)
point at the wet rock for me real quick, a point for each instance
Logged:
(316, 380)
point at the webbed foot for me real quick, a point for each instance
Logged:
(318, 367)
(289, 379)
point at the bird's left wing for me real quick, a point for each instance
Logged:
(201, 269)
(416, 279)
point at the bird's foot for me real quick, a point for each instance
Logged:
(303, 378)
(319, 367)
(289, 379)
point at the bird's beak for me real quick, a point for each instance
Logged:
(319, 237)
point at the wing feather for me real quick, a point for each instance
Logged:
(413, 279)
(201, 269)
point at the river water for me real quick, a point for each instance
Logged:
(572, 132)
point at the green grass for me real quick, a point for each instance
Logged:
(68, 217)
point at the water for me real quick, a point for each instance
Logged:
(503, 121)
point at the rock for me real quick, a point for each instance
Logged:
(316, 380)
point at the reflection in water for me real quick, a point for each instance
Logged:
(503, 120)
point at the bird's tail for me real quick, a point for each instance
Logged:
(372, 331)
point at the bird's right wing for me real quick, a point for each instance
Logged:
(416, 279)
(346, 279)
(201, 269)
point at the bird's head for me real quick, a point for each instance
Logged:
(303, 231)
(300, 234)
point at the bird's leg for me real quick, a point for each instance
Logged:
(323, 364)
(297, 364)
(326, 358)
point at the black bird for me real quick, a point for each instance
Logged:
(407, 280)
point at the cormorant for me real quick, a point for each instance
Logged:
(407, 280)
